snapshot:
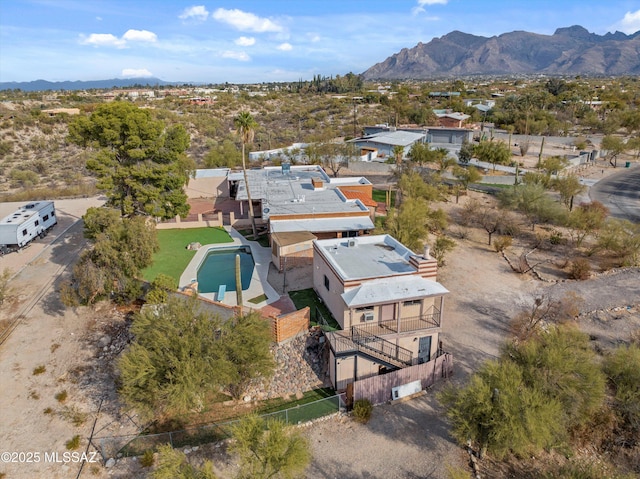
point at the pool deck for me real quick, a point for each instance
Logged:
(259, 284)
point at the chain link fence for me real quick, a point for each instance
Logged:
(136, 445)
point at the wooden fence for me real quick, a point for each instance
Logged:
(377, 389)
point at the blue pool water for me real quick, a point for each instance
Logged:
(219, 267)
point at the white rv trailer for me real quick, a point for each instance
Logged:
(25, 224)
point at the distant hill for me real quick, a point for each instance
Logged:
(44, 85)
(569, 51)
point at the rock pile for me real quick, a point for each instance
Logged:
(301, 365)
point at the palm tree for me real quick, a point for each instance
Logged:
(245, 126)
(398, 153)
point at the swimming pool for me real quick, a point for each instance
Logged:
(219, 267)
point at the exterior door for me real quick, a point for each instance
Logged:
(387, 312)
(424, 349)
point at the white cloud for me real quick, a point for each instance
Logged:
(285, 47)
(136, 73)
(109, 40)
(103, 40)
(197, 12)
(140, 36)
(314, 37)
(245, 21)
(240, 56)
(245, 41)
(422, 3)
(631, 22)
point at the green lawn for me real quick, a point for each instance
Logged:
(308, 297)
(263, 240)
(173, 256)
(381, 196)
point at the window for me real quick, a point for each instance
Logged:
(37, 222)
(53, 213)
(326, 282)
(413, 302)
(24, 232)
(366, 309)
(45, 217)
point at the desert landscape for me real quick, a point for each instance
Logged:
(57, 372)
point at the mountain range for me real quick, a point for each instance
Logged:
(569, 51)
(44, 85)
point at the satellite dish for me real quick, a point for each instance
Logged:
(265, 210)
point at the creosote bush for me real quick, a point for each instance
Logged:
(147, 459)
(580, 268)
(362, 410)
(502, 243)
(73, 443)
(61, 396)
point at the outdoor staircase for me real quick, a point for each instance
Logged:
(380, 349)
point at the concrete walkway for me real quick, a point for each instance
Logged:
(259, 284)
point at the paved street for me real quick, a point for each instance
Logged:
(620, 193)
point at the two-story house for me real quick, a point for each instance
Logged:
(386, 300)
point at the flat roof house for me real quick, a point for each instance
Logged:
(380, 145)
(305, 198)
(386, 300)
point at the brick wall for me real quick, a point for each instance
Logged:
(290, 325)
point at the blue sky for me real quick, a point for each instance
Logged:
(260, 40)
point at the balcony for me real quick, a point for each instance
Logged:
(404, 325)
(376, 348)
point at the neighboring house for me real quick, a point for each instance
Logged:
(440, 136)
(479, 101)
(452, 120)
(434, 134)
(380, 146)
(386, 300)
(288, 201)
(304, 198)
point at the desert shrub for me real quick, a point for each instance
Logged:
(580, 268)
(441, 247)
(61, 396)
(502, 243)
(160, 288)
(147, 459)
(6, 147)
(362, 410)
(23, 178)
(524, 148)
(580, 143)
(622, 368)
(73, 443)
(556, 238)
(577, 469)
(39, 370)
(73, 415)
